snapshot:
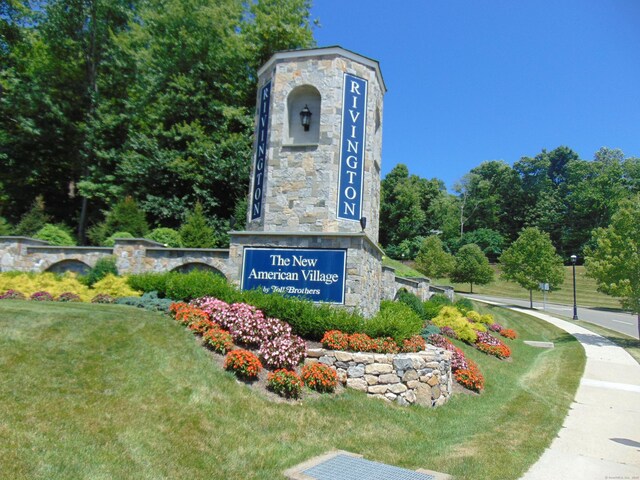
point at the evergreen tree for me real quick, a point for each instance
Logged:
(196, 232)
(126, 216)
(33, 220)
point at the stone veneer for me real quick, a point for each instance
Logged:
(301, 180)
(363, 279)
(422, 378)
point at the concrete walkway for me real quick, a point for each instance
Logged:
(600, 437)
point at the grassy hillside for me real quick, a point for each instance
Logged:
(108, 391)
(586, 292)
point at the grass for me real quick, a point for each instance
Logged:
(108, 391)
(586, 289)
(402, 269)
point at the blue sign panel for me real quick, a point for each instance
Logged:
(316, 274)
(354, 113)
(261, 152)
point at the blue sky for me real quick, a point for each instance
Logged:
(471, 81)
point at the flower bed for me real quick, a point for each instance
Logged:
(361, 342)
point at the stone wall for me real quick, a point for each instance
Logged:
(133, 255)
(391, 284)
(423, 378)
(364, 274)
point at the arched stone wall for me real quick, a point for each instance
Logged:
(69, 265)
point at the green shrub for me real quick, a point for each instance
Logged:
(150, 282)
(166, 236)
(103, 267)
(111, 241)
(429, 329)
(307, 319)
(148, 301)
(195, 284)
(55, 235)
(464, 305)
(412, 301)
(395, 320)
(433, 306)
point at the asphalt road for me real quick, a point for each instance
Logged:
(615, 320)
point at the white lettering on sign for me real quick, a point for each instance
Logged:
(352, 155)
(261, 152)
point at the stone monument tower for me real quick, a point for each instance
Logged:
(313, 216)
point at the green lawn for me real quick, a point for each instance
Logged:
(586, 292)
(107, 391)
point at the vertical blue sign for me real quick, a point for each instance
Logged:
(316, 274)
(354, 113)
(261, 152)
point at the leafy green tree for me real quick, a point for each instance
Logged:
(490, 242)
(614, 261)
(34, 219)
(432, 260)
(277, 25)
(404, 206)
(196, 232)
(471, 266)
(55, 235)
(532, 260)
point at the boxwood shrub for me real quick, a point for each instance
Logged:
(395, 320)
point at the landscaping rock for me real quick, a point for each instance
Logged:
(357, 384)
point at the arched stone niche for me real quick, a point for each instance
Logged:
(299, 97)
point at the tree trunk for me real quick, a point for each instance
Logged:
(530, 298)
(471, 286)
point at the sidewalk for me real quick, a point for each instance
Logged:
(600, 437)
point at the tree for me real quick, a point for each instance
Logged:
(471, 266)
(532, 260)
(490, 242)
(33, 220)
(406, 200)
(614, 261)
(432, 260)
(196, 232)
(126, 216)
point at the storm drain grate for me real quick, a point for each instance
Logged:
(346, 467)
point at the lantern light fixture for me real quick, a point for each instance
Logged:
(305, 118)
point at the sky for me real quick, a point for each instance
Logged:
(478, 80)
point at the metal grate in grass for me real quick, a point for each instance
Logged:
(348, 467)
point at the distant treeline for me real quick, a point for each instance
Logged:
(556, 191)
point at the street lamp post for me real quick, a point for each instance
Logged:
(575, 305)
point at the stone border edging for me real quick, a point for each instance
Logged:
(423, 378)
